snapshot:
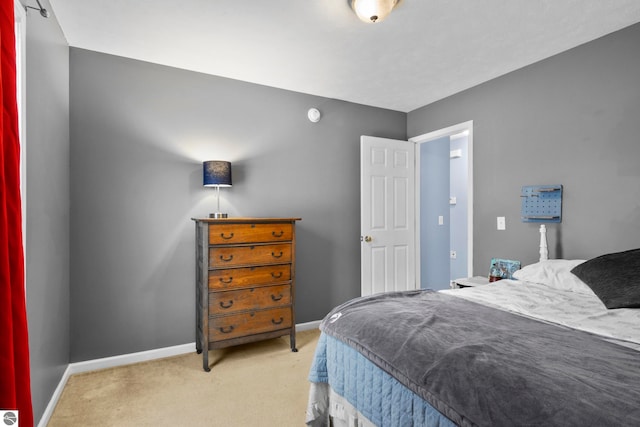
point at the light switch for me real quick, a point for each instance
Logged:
(440, 220)
(502, 225)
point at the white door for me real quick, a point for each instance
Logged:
(387, 215)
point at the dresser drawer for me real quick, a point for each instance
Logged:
(248, 276)
(222, 234)
(249, 299)
(254, 322)
(246, 255)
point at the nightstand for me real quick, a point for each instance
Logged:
(468, 282)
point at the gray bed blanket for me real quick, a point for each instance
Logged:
(482, 366)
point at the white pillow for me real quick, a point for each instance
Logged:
(555, 273)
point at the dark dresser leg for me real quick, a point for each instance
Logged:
(205, 361)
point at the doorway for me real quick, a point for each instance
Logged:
(444, 212)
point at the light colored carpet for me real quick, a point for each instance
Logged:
(259, 384)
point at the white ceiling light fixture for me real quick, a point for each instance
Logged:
(372, 11)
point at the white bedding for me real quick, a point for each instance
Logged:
(578, 310)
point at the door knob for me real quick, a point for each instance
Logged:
(368, 239)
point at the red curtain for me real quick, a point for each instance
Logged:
(15, 388)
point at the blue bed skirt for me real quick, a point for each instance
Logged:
(374, 393)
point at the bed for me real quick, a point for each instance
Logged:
(559, 345)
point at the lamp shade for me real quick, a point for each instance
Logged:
(216, 173)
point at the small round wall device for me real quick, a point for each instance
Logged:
(314, 115)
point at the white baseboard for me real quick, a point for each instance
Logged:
(48, 411)
(127, 359)
(308, 326)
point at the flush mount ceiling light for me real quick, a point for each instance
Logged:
(373, 11)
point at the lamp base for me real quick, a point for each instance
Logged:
(218, 215)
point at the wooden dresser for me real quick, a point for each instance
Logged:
(245, 281)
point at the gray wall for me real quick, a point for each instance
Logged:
(47, 199)
(139, 134)
(573, 119)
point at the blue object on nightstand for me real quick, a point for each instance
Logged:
(541, 203)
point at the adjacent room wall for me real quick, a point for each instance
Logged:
(572, 119)
(139, 134)
(459, 217)
(435, 190)
(47, 199)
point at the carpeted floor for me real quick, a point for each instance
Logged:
(259, 384)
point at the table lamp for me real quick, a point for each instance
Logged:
(216, 173)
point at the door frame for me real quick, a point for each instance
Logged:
(430, 136)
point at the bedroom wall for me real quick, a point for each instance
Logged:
(571, 119)
(139, 134)
(47, 202)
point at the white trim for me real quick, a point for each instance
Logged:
(128, 359)
(308, 326)
(448, 131)
(46, 416)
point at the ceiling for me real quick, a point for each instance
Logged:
(424, 51)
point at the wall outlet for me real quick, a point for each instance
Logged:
(502, 225)
(454, 254)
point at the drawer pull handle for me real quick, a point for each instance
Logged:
(222, 304)
(229, 280)
(222, 258)
(276, 275)
(279, 321)
(274, 234)
(226, 330)
(225, 237)
(276, 298)
(273, 254)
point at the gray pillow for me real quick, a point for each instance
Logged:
(614, 278)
